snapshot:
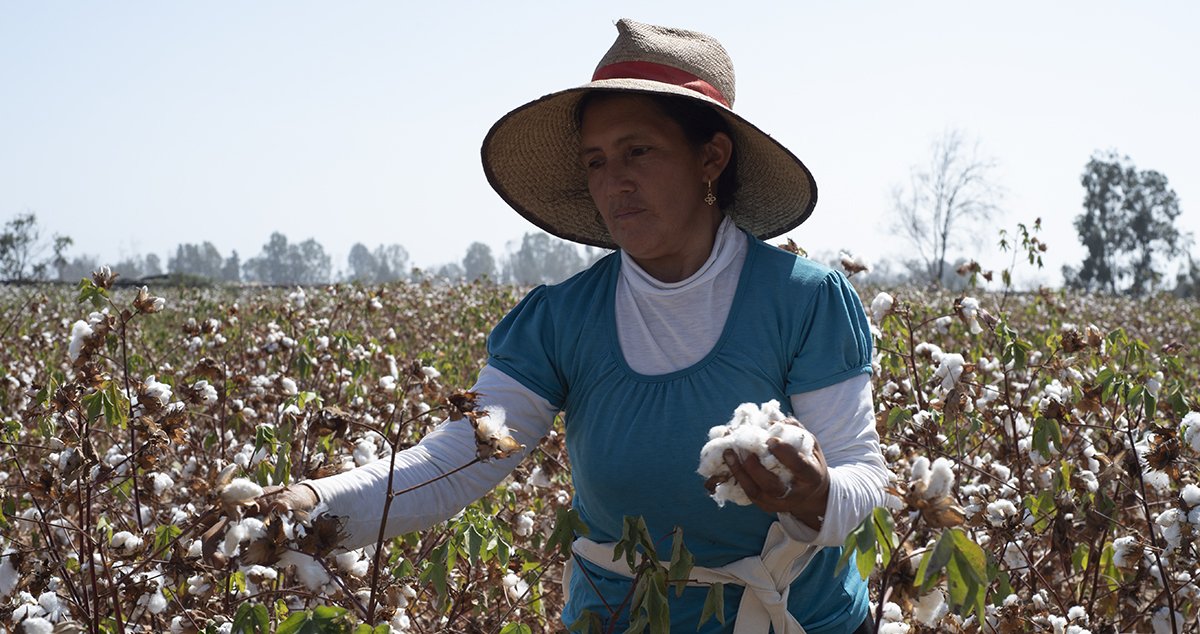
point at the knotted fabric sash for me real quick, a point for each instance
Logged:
(767, 579)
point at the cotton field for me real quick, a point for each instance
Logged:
(1044, 447)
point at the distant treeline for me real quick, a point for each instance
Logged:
(537, 259)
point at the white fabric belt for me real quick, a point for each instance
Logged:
(767, 578)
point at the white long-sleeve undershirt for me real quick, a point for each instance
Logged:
(649, 313)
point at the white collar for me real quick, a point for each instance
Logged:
(726, 246)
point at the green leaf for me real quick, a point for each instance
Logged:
(294, 624)
(966, 575)
(516, 628)
(714, 605)
(116, 406)
(1042, 508)
(850, 546)
(435, 573)
(897, 417)
(474, 544)
(566, 525)
(1044, 431)
(682, 562)
(656, 606)
(89, 292)
(934, 561)
(587, 623)
(251, 618)
(164, 535)
(885, 533)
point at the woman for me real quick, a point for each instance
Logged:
(656, 343)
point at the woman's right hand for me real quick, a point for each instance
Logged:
(298, 498)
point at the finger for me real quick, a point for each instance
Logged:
(803, 468)
(754, 478)
(711, 483)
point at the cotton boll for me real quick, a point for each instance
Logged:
(37, 625)
(919, 469)
(365, 452)
(516, 587)
(240, 491)
(941, 478)
(309, 571)
(1161, 621)
(247, 530)
(930, 608)
(523, 524)
(882, 306)
(794, 435)
(1126, 552)
(1190, 429)
(999, 511)
(712, 456)
(9, 576)
(353, 563)
(538, 478)
(125, 542)
(730, 491)
(949, 370)
(1190, 495)
(1160, 480)
(161, 483)
(198, 584)
(747, 433)
(51, 606)
(154, 601)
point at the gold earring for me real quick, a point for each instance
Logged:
(709, 198)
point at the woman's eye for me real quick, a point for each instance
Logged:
(639, 150)
(593, 163)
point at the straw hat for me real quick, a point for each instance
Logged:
(531, 155)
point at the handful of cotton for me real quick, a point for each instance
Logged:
(747, 433)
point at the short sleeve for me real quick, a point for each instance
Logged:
(522, 346)
(834, 342)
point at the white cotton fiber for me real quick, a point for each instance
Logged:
(240, 490)
(309, 571)
(747, 432)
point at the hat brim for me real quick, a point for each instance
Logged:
(531, 158)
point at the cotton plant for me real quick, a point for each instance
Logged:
(747, 433)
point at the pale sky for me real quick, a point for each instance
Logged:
(134, 126)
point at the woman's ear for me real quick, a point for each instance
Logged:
(716, 154)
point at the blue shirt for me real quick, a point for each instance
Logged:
(634, 440)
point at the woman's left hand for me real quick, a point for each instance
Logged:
(805, 498)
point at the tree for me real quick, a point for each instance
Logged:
(283, 263)
(388, 263)
(202, 260)
(22, 250)
(231, 271)
(77, 268)
(450, 272)
(945, 200)
(392, 260)
(478, 262)
(363, 266)
(1127, 227)
(136, 267)
(543, 259)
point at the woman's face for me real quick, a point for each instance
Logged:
(649, 183)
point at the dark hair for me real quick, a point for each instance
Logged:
(699, 123)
